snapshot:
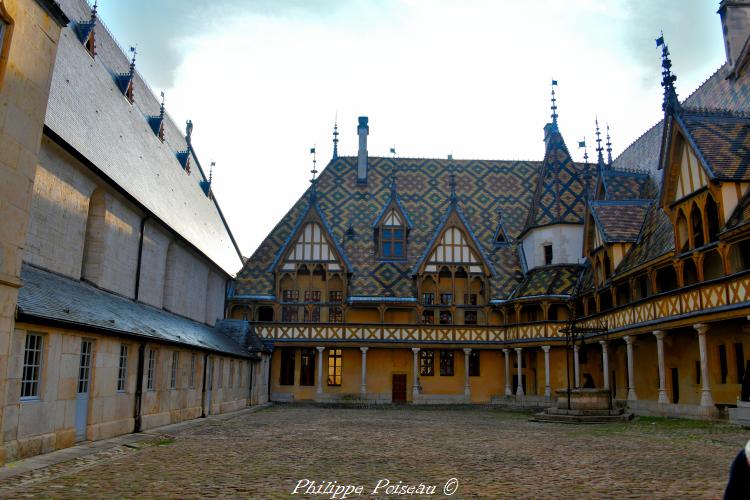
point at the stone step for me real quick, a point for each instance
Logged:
(562, 411)
(580, 419)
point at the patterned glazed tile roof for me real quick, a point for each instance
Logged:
(722, 140)
(560, 190)
(619, 221)
(657, 238)
(88, 111)
(741, 214)
(482, 188)
(626, 185)
(548, 280)
(49, 296)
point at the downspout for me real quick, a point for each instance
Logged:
(140, 257)
(139, 388)
(203, 391)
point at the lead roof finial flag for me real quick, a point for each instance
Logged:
(599, 149)
(314, 170)
(609, 148)
(134, 51)
(336, 137)
(554, 103)
(671, 103)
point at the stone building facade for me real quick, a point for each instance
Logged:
(116, 256)
(433, 280)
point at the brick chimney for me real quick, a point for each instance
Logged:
(735, 23)
(363, 130)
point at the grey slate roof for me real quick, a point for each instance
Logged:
(49, 296)
(88, 111)
(242, 332)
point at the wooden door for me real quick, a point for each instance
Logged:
(398, 394)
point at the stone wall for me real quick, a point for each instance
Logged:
(46, 423)
(82, 228)
(25, 78)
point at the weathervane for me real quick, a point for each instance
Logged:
(554, 102)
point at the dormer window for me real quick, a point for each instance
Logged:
(129, 95)
(547, 254)
(393, 236)
(90, 45)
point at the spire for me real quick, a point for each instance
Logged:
(582, 144)
(671, 103)
(206, 185)
(609, 148)
(188, 131)
(599, 149)
(94, 8)
(161, 108)
(134, 51)
(314, 172)
(554, 103)
(336, 137)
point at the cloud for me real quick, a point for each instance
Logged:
(690, 29)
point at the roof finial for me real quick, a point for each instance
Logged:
(609, 148)
(336, 137)
(393, 151)
(94, 8)
(671, 102)
(188, 131)
(211, 172)
(161, 108)
(582, 144)
(599, 149)
(132, 61)
(314, 171)
(554, 103)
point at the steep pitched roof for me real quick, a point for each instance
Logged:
(626, 184)
(560, 191)
(741, 214)
(656, 239)
(619, 221)
(548, 280)
(483, 187)
(722, 141)
(88, 112)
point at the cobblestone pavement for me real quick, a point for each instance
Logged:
(492, 454)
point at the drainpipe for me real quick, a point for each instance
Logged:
(140, 257)
(139, 388)
(203, 391)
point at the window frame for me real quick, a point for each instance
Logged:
(174, 369)
(35, 368)
(151, 370)
(548, 254)
(287, 366)
(122, 369)
(335, 365)
(191, 377)
(474, 363)
(426, 363)
(447, 363)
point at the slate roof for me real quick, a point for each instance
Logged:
(741, 214)
(723, 141)
(49, 296)
(88, 111)
(627, 184)
(548, 280)
(243, 333)
(619, 221)
(656, 239)
(483, 187)
(560, 192)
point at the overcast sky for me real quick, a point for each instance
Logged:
(262, 80)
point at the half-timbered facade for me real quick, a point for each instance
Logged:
(432, 280)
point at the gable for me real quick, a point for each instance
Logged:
(691, 175)
(454, 248)
(393, 218)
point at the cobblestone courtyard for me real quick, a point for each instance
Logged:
(493, 454)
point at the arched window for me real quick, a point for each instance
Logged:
(607, 266)
(712, 219)
(713, 266)
(93, 246)
(393, 236)
(696, 223)
(689, 272)
(683, 241)
(666, 279)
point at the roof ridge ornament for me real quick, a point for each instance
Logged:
(314, 172)
(336, 137)
(554, 103)
(599, 149)
(94, 9)
(671, 103)
(609, 148)
(188, 131)
(206, 185)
